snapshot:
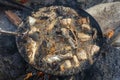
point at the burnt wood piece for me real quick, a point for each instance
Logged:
(16, 20)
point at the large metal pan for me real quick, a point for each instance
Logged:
(22, 38)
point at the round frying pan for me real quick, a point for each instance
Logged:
(50, 40)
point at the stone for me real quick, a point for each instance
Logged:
(107, 15)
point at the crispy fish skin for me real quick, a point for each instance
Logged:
(86, 26)
(31, 20)
(82, 55)
(65, 33)
(66, 22)
(66, 65)
(76, 61)
(93, 49)
(84, 37)
(57, 58)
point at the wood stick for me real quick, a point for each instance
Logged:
(8, 32)
(15, 19)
